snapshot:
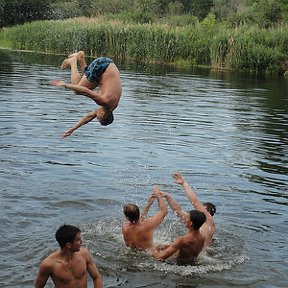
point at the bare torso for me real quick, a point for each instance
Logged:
(67, 274)
(190, 248)
(135, 235)
(208, 230)
(110, 86)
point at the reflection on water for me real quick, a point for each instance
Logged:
(227, 133)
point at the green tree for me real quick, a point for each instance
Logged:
(201, 8)
(21, 11)
(267, 12)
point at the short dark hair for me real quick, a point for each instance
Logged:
(211, 208)
(197, 218)
(108, 119)
(131, 212)
(66, 234)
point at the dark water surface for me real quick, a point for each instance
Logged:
(227, 134)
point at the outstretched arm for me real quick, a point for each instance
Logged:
(174, 205)
(155, 221)
(87, 118)
(147, 207)
(101, 101)
(189, 192)
(162, 254)
(161, 204)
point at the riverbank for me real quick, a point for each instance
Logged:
(215, 45)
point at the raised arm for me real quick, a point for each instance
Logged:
(147, 207)
(174, 205)
(87, 118)
(101, 101)
(194, 199)
(154, 221)
(179, 179)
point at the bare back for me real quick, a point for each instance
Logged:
(110, 86)
(208, 229)
(190, 248)
(137, 235)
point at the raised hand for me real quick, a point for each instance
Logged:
(179, 179)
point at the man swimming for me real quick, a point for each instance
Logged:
(101, 73)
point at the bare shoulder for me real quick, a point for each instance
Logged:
(85, 253)
(49, 261)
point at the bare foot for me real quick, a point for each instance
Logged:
(79, 54)
(81, 58)
(67, 62)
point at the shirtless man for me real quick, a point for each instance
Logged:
(102, 73)
(185, 248)
(137, 231)
(68, 267)
(209, 227)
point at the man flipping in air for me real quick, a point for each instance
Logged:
(101, 73)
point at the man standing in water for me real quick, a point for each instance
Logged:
(184, 248)
(101, 73)
(68, 267)
(137, 231)
(209, 227)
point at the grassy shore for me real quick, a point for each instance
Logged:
(221, 47)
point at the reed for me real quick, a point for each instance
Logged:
(244, 48)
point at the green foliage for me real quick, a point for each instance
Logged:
(20, 11)
(179, 20)
(253, 49)
(65, 9)
(175, 8)
(244, 35)
(209, 22)
(267, 13)
(201, 8)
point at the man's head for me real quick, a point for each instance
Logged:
(104, 116)
(197, 218)
(68, 234)
(131, 212)
(211, 208)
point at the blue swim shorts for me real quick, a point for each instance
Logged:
(96, 68)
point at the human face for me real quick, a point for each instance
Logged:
(101, 114)
(187, 220)
(75, 247)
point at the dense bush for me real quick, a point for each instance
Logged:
(205, 43)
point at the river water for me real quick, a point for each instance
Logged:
(227, 133)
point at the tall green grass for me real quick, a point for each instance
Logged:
(244, 48)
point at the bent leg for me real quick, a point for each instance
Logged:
(81, 59)
(75, 75)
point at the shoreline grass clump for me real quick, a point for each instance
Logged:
(216, 45)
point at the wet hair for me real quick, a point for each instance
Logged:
(108, 119)
(66, 234)
(211, 208)
(131, 212)
(197, 218)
